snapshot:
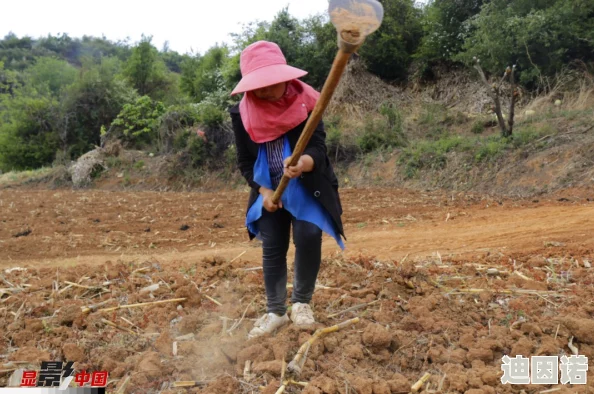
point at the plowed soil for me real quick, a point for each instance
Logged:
(444, 284)
(69, 227)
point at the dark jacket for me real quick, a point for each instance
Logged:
(321, 182)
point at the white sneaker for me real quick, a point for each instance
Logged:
(301, 314)
(267, 324)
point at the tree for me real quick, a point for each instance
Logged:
(8, 80)
(27, 140)
(495, 91)
(444, 28)
(319, 47)
(287, 33)
(388, 51)
(93, 101)
(50, 75)
(147, 72)
(202, 75)
(173, 60)
(540, 37)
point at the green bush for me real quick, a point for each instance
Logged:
(172, 124)
(137, 122)
(27, 137)
(491, 149)
(458, 118)
(341, 147)
(139, 165)
(196, 152)
(478, 127)
(425, 154)
(231, 156)
(210, 114)
(333, 137)
(432, 114)
(18, 153)
(179, 125)
(525, 135)
(382, 133)
(181, 140)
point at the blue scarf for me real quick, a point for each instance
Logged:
(296, 199)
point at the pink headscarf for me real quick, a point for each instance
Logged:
(263, 64)
(267, 120)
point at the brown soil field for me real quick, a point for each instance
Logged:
(443, 283)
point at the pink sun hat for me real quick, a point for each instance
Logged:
(263, 64)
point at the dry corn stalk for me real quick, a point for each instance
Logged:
(508, 291)
(281, 389)
(353, 308)
(110, 323)
(287, 382)
(184, 384)
(296, 365)
(122, 388)
(573, 348)
(212, 299)
(417, 386)
(115, 308)
(93, 308)
(188, 383)
(85, 287)
(247, 371)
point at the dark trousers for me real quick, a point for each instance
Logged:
(275, 229)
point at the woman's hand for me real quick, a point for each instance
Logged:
(305, 164)
(267, 195)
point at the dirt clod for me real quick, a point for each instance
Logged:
(375, 335)
(381, 388)
(272, 367)
(69, 314)
(254, 353)
(361, 384)
(150, 365)
(164, 344)
(73, 353)
(354, 352)
(485, 355)
(324, 384)
(521, 347)
(34, 325)
(30, 354)
(582, 329)
(399, 383)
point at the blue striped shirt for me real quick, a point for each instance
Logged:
(297, 200)
(274, 154)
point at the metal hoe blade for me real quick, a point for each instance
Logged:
(355, 19)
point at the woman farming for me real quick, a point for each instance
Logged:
(267, 124)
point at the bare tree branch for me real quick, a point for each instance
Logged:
(512, 105)
(494, 93)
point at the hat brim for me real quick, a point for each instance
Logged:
(267, 76)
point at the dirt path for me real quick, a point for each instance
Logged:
(71, 227)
